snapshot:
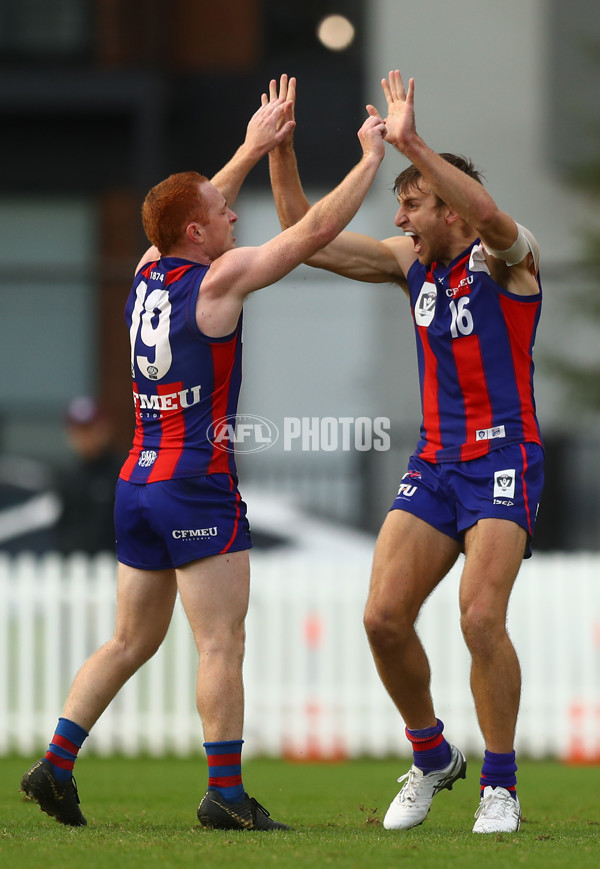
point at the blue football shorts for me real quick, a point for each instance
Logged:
(452, 496)
(172, 522)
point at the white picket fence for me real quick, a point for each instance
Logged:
(311, 687)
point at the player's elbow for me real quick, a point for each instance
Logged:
(488, 215)
(323, 232)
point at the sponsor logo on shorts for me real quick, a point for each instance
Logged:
(406, 490)
(489, 434)
(147, 458)
(194, 533)
(504, 486)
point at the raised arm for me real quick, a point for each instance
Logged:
(351, 254)
(464, 195)
(267, 127)
(289, 196)
(237, 273)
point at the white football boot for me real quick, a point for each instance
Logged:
(498, 812)
(410, 807)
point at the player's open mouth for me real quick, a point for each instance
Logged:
(415, 238)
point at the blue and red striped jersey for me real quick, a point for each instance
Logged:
(474, 348)
(183, 381)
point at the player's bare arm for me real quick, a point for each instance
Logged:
(268, 126)
(237, 273)
(351, 254)
(288, 193)
(463, 195)
(364, 258)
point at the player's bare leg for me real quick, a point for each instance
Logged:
(214, 592)
(411, 558)
(494, 551)
(145, 602)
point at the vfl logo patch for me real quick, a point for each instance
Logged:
(425, 305)
(504, 484)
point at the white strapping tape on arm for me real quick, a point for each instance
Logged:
(524, 244)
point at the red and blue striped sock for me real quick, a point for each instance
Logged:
(499, 771)
(225, 769)
(430, 749)
(64, 748)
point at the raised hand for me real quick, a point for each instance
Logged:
(400, 120)
(268, 127)
(371, 136)
(286, 92)
(274, 120)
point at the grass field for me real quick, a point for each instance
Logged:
(141, 813)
